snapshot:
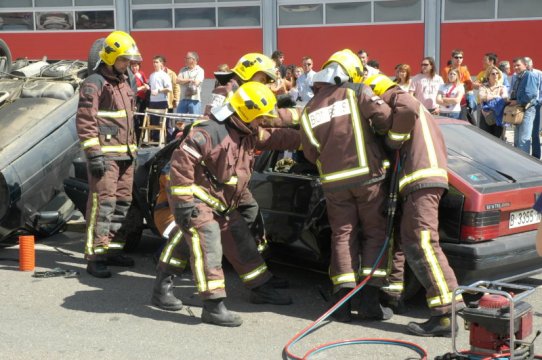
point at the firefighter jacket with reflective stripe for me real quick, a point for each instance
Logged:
(214, 163)
(105, 121)
(421, 144)
(338, 135)
(286, 117)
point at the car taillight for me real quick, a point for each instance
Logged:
(480, 226)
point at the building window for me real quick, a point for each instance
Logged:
(19, 21)
(398, 10)
(308, 14)
(519, 9)
(152, 19)
(15, 3)
(195, 18)
(244, 16)
(468, 9)
(87, 20)
(57, 20)
(353, 12)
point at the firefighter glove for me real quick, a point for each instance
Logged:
(184, 214)
(96, 166)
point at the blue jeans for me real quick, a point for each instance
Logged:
(536, 134)
(471, 101)
(187, 106)
(524, 131)
(453, 115)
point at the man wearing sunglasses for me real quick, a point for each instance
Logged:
(464, 77)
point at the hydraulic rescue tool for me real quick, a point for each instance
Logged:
(498, 322)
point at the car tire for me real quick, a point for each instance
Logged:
(5, 52)
(132, 229)
(94, 55)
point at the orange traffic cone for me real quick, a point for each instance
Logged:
(27, 255)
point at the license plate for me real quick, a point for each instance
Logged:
(523, 218)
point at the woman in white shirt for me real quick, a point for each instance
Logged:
(449, 96)
(424, 86)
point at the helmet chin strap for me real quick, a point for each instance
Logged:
(332, 74)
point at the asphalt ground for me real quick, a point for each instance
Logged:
(82, 317)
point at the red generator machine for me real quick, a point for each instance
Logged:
(498, 320)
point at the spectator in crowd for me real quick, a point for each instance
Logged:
(450, 94)
(425, 85)
(374, 64)
(524, 93)
(536, 123)
(289, 78)
(278, 87)
(504, 67)
(278, 58)
(222, 75)
(465, 79)
(142, 96)
(402, 76)
(190, 78)
(294, 91)
(367, 68)
(490, 59)
(492, 97)
(161, 86)
(304, 82)
(172, 99)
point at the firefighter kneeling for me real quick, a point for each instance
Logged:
(210, 171)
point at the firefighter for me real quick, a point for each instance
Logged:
(105, 126)
(423, 179)
(338, 137)
(260, 68)
(209, 173)
(175, 255)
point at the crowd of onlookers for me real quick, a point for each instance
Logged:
(455, 93)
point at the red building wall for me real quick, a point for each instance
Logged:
(389, 44)
(213, 46)
(508, 39)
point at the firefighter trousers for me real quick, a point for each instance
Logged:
(176, 253)
(211, 236)
(358, 225)
(418, 237)
(109, 199)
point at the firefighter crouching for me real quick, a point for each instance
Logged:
(337, 136)
(210, 171)
(260, 68)
(105, 126)
(175, 255)
(423, 179)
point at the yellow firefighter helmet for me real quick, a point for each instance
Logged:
(119, 43)
(251, 63)
(350, 62)
(253, 100)
(379, 83)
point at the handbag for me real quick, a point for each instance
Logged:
(513, 114)
(489, 117)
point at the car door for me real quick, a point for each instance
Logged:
(291, 200)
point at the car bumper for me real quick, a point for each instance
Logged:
(507, 257)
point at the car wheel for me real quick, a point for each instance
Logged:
(5, 64)
(94, 55)
(132, 228)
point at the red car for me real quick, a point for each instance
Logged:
(487, 224)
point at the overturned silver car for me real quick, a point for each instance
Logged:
(38, 142)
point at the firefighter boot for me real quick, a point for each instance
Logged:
(266, 294)
(343, 313)
(440, 325)
(98, 269)
(120, 260)
(370, 307)
(215, 312)
(162, 293)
